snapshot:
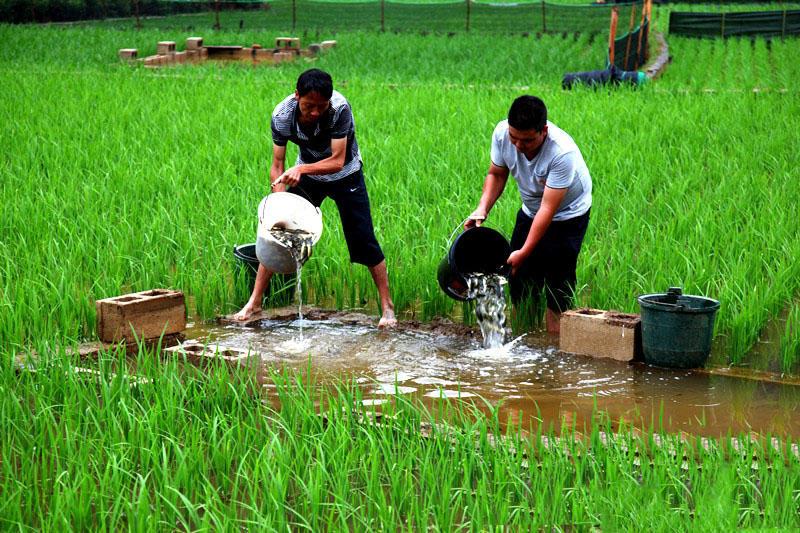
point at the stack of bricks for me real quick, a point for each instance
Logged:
(286, 49)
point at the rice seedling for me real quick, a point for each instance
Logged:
(120, 179)
(194, 450)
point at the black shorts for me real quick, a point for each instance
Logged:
(350, 195)
(552, 264)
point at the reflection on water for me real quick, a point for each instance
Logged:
(529, 380)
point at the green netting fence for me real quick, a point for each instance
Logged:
(736, 24)
(310, 15)
(630, 50)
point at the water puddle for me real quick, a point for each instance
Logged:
(527, 380)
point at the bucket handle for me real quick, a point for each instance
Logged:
(452, 233)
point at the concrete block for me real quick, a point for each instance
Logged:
(128, 54)
(193, 43)
(601, 334)
(142, 315)
(288, 43)
(262, 54)
(203, 355)
(282, 57)
(165, 47)
(327, 44)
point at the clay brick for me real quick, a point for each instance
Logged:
(327, 44)
(142, 315)
(601, 334)
(152, 61)
(193, 43)
(165, 47)
(180, 57)
(128, 54)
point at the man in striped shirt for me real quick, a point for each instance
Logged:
(319, 121)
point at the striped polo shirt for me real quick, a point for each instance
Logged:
(315, 141)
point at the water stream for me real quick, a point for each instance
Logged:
(300, 244)
(490, 307)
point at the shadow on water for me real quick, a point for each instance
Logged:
(528, 381)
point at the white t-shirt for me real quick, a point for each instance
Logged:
(559, 165)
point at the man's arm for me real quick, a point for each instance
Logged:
(493, 187)
(276, 168)
(329, 165)
(551, 201)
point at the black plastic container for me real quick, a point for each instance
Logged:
(677, 328)
(477, 250)
(281, 286)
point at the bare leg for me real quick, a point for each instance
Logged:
(553, 321)
(253, 305)
(381, 279)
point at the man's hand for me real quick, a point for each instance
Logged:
(289, 178)
(475, 219)
(516, 259)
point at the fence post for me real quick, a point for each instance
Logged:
(612, 36)
(383, 26)
(136, 11)
(544, 19)
(722, 26)
(629, 36)
(783, 25)
(216, 16)
(468, 13)
(294, 15)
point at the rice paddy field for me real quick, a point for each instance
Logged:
(116, 179)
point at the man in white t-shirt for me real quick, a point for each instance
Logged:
(556, 191)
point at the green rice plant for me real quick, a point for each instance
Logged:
(120, 179)
(790, 340)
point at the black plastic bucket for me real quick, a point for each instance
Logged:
(477, 250)
(280, 290)
(677, 328)
(246, 261)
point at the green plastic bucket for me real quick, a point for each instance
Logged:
(677, 328)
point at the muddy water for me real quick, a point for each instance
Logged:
(528, 378)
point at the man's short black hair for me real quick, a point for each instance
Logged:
(527, 113)
(317, 81)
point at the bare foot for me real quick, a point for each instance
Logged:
(247, 312)
(388, 320)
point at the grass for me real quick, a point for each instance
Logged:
(213, 451)
(119, 179)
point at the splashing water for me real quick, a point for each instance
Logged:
(490, 306)
(299, 243)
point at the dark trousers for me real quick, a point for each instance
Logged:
(350, 195)
(551, 266)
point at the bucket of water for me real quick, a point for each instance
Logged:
(677, 328)
(478, 250)
(284, 212)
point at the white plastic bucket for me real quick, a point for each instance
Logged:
(284, 210)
